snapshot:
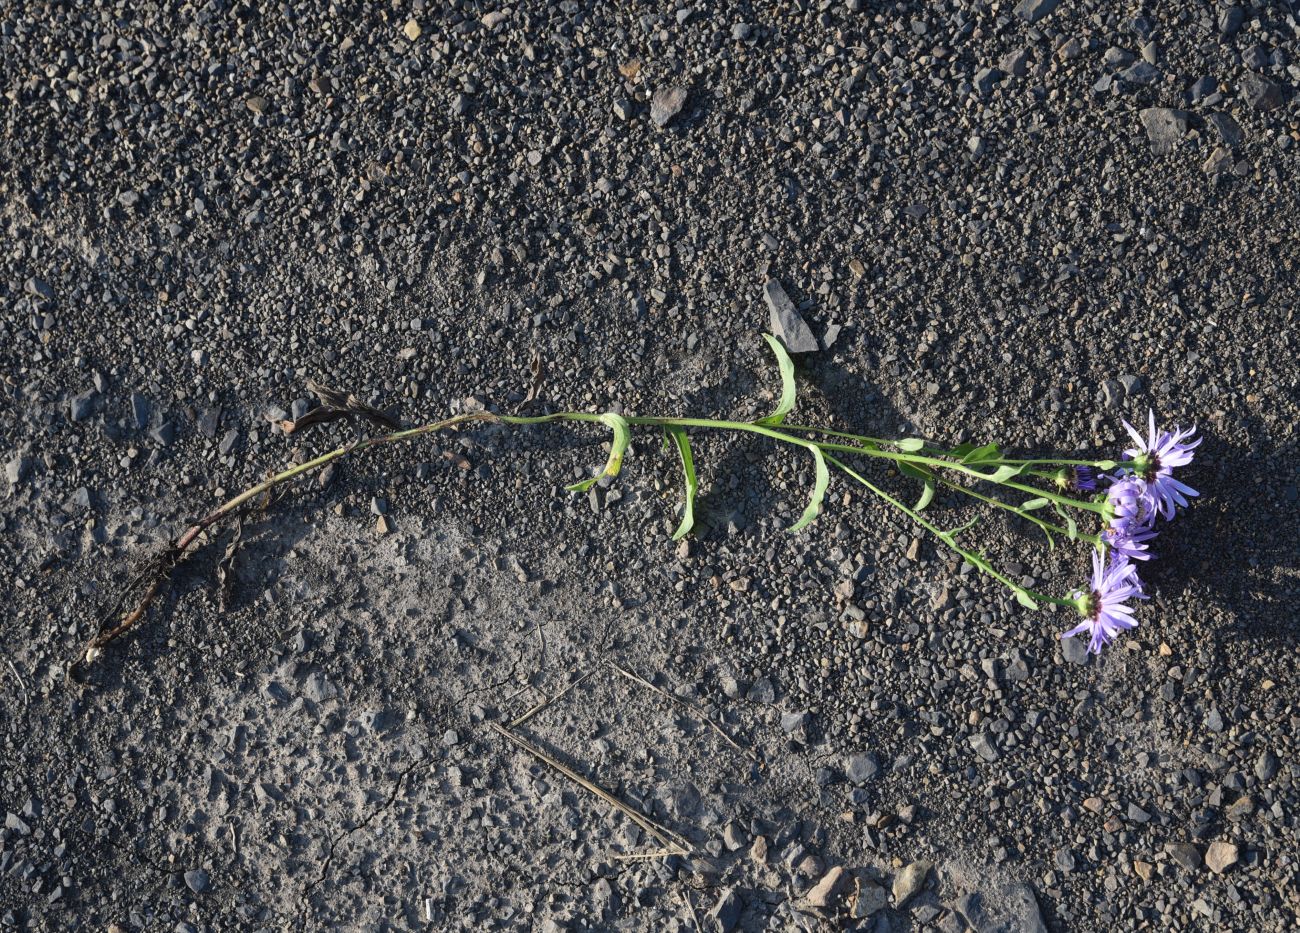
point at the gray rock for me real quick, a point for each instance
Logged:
(1260, 92)
(140, 411)
(666, 103)
(1266, 766)
(1231, 19)
(909, 882)
(624, 109)
(197, 880)
(863, 768)
(1221, 856)
(1228, 129)
(1202, 88)
(1015, 63)
(786, 322)
(1142, 73)
(985, 80)
(870, 899)
(38, 288)
(164, 434)
(1031, 11)
(1185, 854)
(1022, 905)
(1164, 126)
(17, 469)
(726, 912)
(827, 891)
(795, 723)
(1074, 650)
(762, 691)
(82, 406)
(982, 743)
(228, 442)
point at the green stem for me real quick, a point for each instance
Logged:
(975, 560)
(1012, 507)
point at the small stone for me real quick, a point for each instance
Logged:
(38, 288)
(758, 849)
(1031, 11)
(229, 441)
(140, 410)
(795, 723)
(863, 768)
(1015, 63)
(164, 434)
(1164, 126)
(733, 837)
(1230, 20)
(1074, 650)
(1141, 73)
(762, 691)
(1266, 766)
(257, 104)
(1240, 809)
(1185, 854)
(726, 912)
(1260, 92)
(1144, 870)
(81, 406)
(382, 525)
(623, 109)
(412, 29)
(197, 880)
(983, 745)
(1228, 129)
(666, 103)
(17, 469)
(828, 889)
(495, 18)
(1214, 721)
(910, 881)
(869, 899)
(786, 322)
(1221, 856)
(1220, 160)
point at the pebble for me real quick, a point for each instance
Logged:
(1165, 127)
(666, 103)
(786, 322)
(827, 891)
(910, 881)
(197, 880)
(982, 743)
(1185, 854)
(1031, 11)
(863, 768)
(1221, 856)
(1259, 92)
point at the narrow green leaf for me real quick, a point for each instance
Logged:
(1051, 542)
(1025, 599)
(688, 473)
(622, 437)
(786, 365)
(1004, 473)
(987, 452)
(916, 472)
(953, 532)
(818, 494)
(910, 444)
(927, 496)
(1035, 504)
(1071, 527)
(961, 449)
(1107, 465)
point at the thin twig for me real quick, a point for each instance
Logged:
(547, 701)
(18, 677)
(670, 840)
(688, 706)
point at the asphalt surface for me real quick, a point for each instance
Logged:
(1010, 222)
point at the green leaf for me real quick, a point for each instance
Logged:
(1107, 465)
(912, 470)
(1034, 504)
(622, 437)
(688, 473)
(786, 365)
(927, 496)
(910, 444)
(961, 450)
(987, 452)
(1023, 597)
(953, 532)
(1004, 473)
(1071, 527)
(818, 494)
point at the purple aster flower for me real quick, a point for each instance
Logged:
(1157, 455)
(1130, 519)
(1077, 479)
(1103, 609)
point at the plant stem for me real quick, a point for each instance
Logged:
(975, 560)
(1012, 507)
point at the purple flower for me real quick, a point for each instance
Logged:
(1130, 518)
(1077, 479)
(1103, 609)
(1157, 455)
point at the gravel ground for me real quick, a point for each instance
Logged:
(1002, 221)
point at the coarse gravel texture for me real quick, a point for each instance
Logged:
(1001, 221)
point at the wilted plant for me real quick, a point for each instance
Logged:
(1121, 498)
